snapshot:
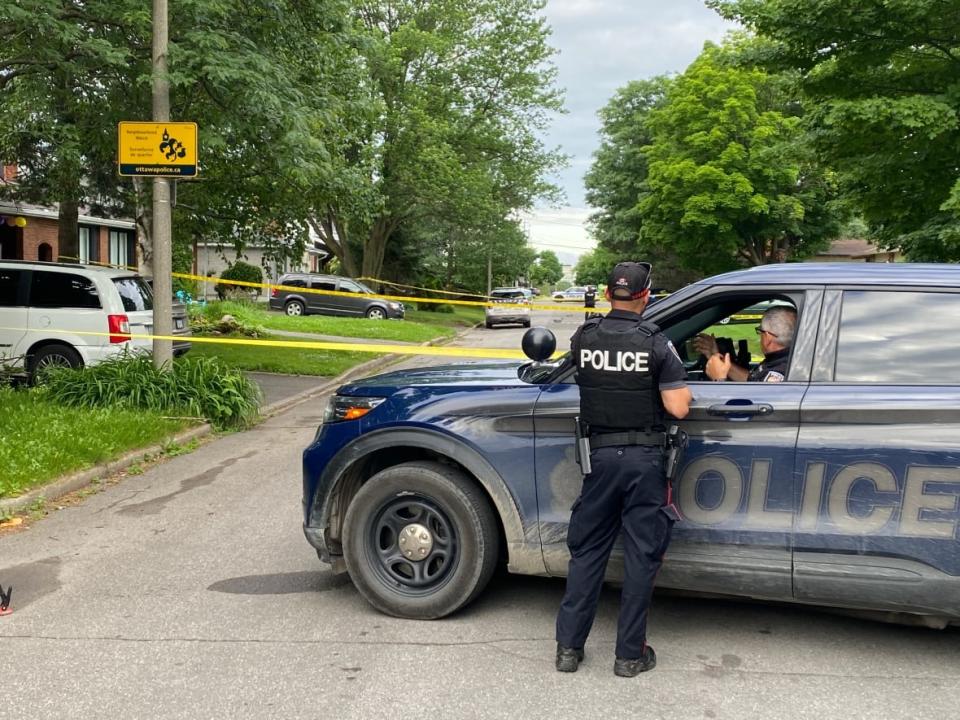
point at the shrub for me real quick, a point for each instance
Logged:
(245, 272)
(435, 307)
(198, 387)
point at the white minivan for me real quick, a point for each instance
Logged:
(47, 309)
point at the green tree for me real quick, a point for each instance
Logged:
(593, 268)
(462, 89)
(56, 61)
(731, 180)
(263, 83)
(617, 179)
(883, 78)
(546, 270)
(617, 176)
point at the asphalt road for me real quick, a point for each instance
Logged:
(189, 592)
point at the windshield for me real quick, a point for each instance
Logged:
(135, 294)
(508, 294)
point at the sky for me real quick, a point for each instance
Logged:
(602, 45)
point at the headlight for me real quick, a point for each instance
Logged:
(342, 407)
(395, 306)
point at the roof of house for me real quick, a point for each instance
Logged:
(851, 247)
(52, 213)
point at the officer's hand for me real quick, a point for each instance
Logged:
(705, 344)
(718, 366)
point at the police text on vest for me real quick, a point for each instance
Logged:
(620, 362)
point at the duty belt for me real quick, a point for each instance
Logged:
(630, 437)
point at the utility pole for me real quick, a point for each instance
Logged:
(489, 272)
(162, 241)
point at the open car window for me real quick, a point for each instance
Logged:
(732, 320)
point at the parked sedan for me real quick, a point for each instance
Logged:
(575, 294)
(512, 306)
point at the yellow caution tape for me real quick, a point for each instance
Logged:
(432, 350)
(397, 298)
(417, 287)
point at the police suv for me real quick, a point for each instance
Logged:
(838, 486)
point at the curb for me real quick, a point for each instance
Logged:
(78, 480)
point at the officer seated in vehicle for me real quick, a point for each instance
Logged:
(776, 331)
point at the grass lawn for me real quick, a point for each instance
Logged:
(289, 361)
(43, 440)
(417, 327)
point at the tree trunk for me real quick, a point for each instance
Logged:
(376, 246)
(144, 220)
(334, 236)
(68, 235)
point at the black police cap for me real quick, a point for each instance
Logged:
(628, 280)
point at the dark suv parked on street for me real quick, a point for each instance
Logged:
(838, 486)
(360, 303)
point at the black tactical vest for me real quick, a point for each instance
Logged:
(618, 389)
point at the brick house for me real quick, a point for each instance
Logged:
(29, 232)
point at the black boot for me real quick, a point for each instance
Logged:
(568, 659)
(631, 667)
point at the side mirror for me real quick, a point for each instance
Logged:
(538, 344)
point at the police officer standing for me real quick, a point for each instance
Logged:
(630, 378)
(589, 301)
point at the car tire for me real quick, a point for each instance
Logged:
(376, 313)
(52, 356)
(489, 326)
(294, 308)
(461, 544)
(526, 324)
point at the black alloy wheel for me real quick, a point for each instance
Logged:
(420, 540)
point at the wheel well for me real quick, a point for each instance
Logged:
(365, 468)
(40, 344)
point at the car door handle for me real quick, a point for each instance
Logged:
(751, 409)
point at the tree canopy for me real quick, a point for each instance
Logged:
(730, 179)
(371, 122)
(546, 269)
(462, 89)
(618, 174)
(881, 81)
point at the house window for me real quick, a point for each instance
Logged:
(121, 248)
(89, 244)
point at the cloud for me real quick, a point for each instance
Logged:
(603, 44)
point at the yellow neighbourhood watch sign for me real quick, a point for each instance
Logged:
(157, 149)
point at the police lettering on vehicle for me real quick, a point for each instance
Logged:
(621, 361)
(928, 506)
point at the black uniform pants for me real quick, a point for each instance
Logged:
(626, 491)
